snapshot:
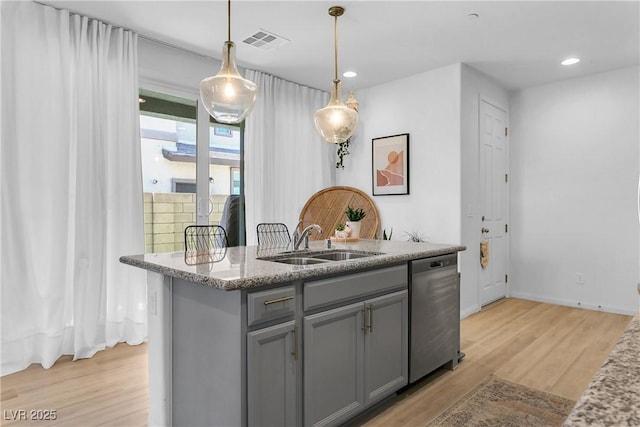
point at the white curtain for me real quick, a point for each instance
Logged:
(286, 160)
(71, 187)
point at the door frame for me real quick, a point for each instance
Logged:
(203, 203)
(478, 222)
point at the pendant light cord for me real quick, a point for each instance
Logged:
(227, 46)
(335, 43)
(229, 20)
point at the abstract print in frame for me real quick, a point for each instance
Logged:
(390, 165)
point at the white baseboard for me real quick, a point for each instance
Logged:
(468, 311)
(578, 304)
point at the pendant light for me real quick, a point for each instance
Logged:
(336, 122)
(227, 96)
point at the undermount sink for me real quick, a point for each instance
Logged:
(341, 256)
(298, 260)
(311, 258)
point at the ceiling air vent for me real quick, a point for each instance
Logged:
(265, 40)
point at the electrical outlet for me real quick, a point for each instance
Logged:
(580, 278)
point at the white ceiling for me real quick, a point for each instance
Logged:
(518, 43)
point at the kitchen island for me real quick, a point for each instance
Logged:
(238, 338)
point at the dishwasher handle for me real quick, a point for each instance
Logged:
(434, 263)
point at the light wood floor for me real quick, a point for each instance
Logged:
(547, 347)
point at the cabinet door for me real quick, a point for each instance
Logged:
(386, 345)
(333, 365)
(271, 375)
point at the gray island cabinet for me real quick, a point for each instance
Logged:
(356, 353)
(247, 341)
(273, 355)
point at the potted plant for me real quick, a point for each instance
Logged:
(414, 236)
(385, 236)
(342, 231)
(355, 215)
(343, 150)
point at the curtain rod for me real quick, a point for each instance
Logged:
(142, 36)
(163, 43)
(173, 46)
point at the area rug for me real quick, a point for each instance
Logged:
(497, 402)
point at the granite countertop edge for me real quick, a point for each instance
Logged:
(257, 274)
(613, 396)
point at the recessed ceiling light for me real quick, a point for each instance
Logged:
(570, 61)
(349, 74)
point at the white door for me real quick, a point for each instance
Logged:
(493, 193)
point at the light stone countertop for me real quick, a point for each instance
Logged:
(613, 397)
(239, 267)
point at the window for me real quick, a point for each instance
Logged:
(168, 145)
(183, 185)
(235, 180)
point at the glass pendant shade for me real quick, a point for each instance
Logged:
(336, 122)
(227, 96)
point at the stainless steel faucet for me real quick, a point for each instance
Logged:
(296, 232)
(305, 236)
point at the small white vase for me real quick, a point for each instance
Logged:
(340, 234)
(355, 228)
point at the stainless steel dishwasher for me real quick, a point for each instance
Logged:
(435, 315)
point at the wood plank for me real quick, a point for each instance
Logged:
(601, 341)
(512, 337)
(108, 389)
(544, 346)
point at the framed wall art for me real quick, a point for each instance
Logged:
(390, 165)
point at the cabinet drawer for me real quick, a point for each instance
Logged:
(269, 305)
(338, 289)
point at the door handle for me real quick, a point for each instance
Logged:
(277, 300)
(484, 230)
(366, 319)
(294, 353)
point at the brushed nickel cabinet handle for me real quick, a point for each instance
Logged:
(364, 319)
(294, 353)
(370, 316)
(277, 300)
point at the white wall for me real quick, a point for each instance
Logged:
(158, 172)
(171, 70)
(427, 107)
(574, 171)
(440, 111)
(475, 86)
